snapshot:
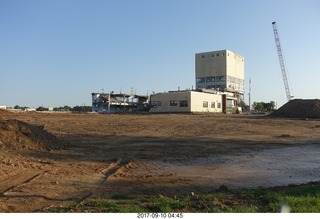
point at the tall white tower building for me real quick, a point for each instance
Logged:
(221, 70)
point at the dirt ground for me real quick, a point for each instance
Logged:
(153, 154)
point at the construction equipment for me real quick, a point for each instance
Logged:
(281, 60)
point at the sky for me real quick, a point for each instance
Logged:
(57, 52)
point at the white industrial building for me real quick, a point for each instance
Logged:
(221, 70)
(192, 101)
(219, 86)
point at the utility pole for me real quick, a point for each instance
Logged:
(249, 95)
(109, 97)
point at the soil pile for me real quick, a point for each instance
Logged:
(20, 135)
(299, 108)
(5, 112)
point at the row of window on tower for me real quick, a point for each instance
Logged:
(219, 79)
(212, 55)
(211, 79)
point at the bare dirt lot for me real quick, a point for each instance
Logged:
(168, 154)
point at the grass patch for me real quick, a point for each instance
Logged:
(302, 199)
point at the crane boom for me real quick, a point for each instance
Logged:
(281, 60)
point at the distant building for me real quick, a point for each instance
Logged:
(221, 70)
(219, 88)
(30, 109)
(113, 103)
(3, 107)
(192, 101)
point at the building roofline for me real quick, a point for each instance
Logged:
(199, 90)
(119, 94)
(223, 50)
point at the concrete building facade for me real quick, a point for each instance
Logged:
(116, 103)
(221, 70)
(188, 101)
(219, 88)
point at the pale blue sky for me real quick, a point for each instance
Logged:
(56, 52)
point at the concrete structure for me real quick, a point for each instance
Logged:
(30, 110)
(192, 101)
(113, 103)
(219, 88)
(221, 70)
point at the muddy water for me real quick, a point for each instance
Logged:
(265, 168)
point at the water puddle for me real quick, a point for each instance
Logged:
(265, 168)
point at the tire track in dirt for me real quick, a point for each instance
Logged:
(10, 186)
(10, 189)
(113, 169)
(23, 178)
(17, 180)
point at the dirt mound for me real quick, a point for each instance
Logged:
(299, 108)
(5, 112)
(19, 135)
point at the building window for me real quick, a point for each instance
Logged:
(154, 104)
(213, 104)
(217, 54)
(173, 103)
(205, 104)
(212, 55)
(200, 80)
(221, 78)
(183, 103)
(219, 105)
(210, 79)
(202, 56)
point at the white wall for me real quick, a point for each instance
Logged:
(198, 98)
(161, 102)
(235, 69)
(211, 64)
(235, 65)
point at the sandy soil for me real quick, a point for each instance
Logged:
(171, 154)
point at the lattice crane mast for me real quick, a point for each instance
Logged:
(281, 60)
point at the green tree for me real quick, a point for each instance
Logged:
(41, 108)
(81, 108)
(272, 106)
(262, 106)
(20, 107)
(259, 106)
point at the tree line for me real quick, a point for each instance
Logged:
(60, 108)
(264, 107)
(257, 106)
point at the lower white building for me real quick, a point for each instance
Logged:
(191, 101)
